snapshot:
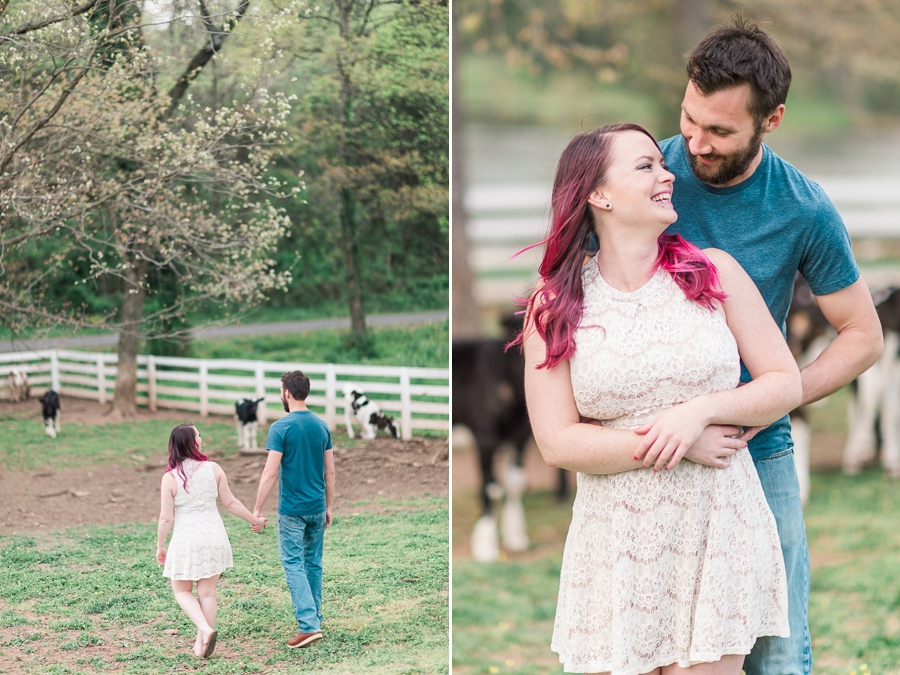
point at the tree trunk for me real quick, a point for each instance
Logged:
(351, 263)
(349, 225)
(465, 310)
(125, 403)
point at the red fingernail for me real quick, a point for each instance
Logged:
(635, 456)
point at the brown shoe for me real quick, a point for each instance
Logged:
(304, 639)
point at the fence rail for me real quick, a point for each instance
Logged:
(418, 397)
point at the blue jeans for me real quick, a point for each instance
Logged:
(775, 655)
(300, 542)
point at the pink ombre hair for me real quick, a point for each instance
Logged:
(182, 446)
(557, 306)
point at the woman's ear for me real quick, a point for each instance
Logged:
(597, 199)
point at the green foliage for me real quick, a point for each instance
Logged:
(385, 597)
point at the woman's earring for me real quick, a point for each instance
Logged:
(608, 206)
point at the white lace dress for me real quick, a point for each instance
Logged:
(680, 566)
(199, 547)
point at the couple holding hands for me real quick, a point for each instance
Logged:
(301, 457)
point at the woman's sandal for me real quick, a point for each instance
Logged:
(210, 645)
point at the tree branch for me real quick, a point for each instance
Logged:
(7, 156)
(202, 57)
(37, 25)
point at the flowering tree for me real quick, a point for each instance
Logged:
(107, 176)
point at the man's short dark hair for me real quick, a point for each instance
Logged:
(737, 53)
(297, 383)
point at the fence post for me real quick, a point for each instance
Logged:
(151, 383)
(261, 392)
(101, 380)
(330, 402)
(54, 372)
(405, 406)
(204, 388)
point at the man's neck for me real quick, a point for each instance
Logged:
(296, 406)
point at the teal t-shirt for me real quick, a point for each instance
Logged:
(302, 438)
(775, 223)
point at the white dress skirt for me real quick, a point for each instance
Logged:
(675, 567)
(199, 547)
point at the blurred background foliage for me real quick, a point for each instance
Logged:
(558, 62)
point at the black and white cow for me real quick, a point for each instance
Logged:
(246, 422)
(50, 410)
(875, 408)
(489, 399)
(367, 413)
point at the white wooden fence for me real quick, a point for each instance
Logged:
(418, 397)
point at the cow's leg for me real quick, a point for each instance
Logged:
(512, 518)
(801, 436)
(56, 422)
(239, 429)
(367, 431)
(347, 421)
(890, 408)
(253, 427)
(485, 542)
(49, 429)
(860, 446)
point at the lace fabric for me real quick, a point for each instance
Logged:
(680, 566)
(199, 547)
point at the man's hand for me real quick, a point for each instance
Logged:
(717, 444)
(327, 517)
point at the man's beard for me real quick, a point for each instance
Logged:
(731, 166)
(284, 403)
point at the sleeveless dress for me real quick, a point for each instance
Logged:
(199, 547)
(680, 566)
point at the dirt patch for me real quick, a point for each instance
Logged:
(45, 499)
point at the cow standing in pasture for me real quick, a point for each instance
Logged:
(19, 389)
(370, 417)
(50, 408)
(246, 422)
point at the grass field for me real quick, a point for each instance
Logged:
(503, 612)
(418, 346)
(92, 600)
(82, 589)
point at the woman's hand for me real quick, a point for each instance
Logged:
(671, 435)
(161, 555)
(258, 523)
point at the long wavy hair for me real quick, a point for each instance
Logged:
(182, 446)
(556, 307)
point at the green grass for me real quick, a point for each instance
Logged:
(420, 346)
(503, 612)
(385, 600)
(109, 443)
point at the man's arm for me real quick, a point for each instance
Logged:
(267, 481)
(329, 485)
(858, 345)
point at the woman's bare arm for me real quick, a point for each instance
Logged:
(774, 391)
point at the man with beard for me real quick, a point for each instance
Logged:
(300, 455)
(733, 193)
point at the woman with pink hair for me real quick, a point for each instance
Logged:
(199, 550)
(633, 341)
